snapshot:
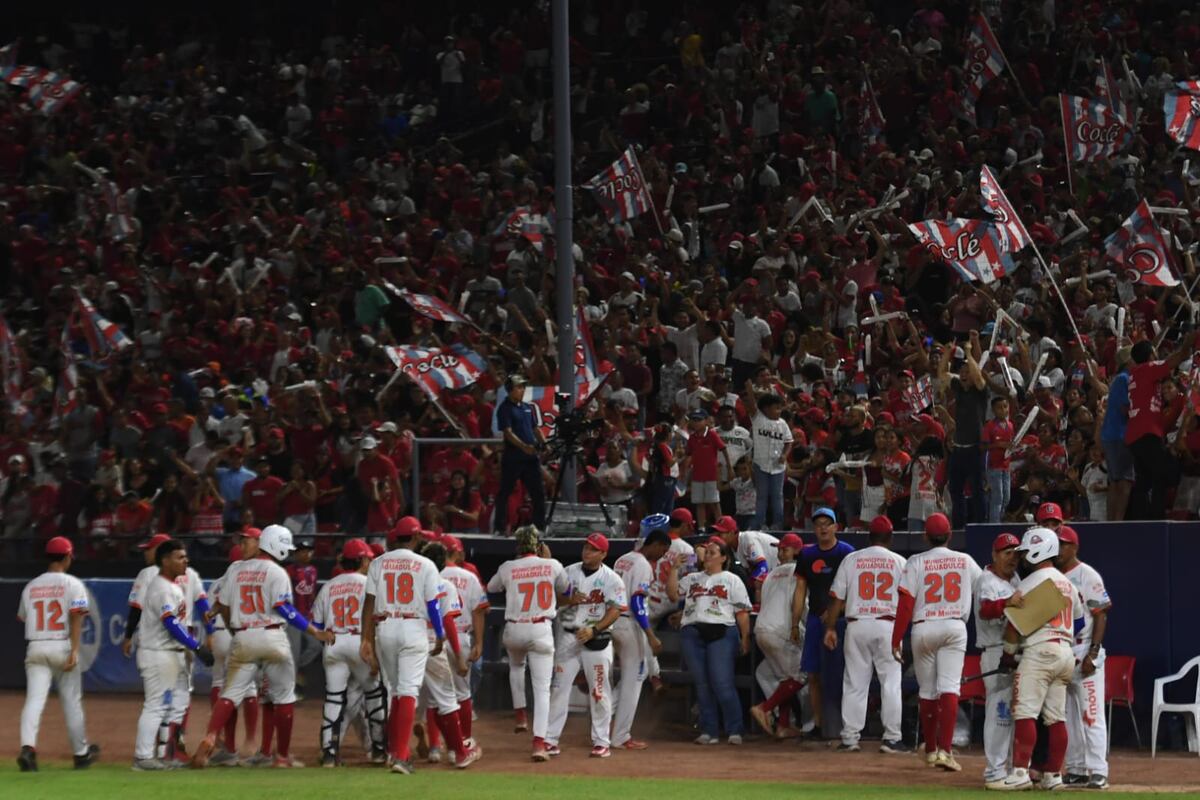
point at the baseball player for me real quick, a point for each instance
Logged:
(256, 602)
(163, 644)
(935, 594)
(632, 633)
(778, 673)
(865, 587)
(758, 552)
(52, 607)
(348, 679)
(531, 585)
(1087, 743)
(994, 593)
(681, 559)
(471, 623)
(593, 599)
(1046, 668)
(226, 754)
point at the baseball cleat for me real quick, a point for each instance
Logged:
(1050, 781)
(1071, 779)
(539, 751)
(788, 732)
(763, 719)
(473, 755)
(379, 755)
(87, 759)
(1097, 782)
(329, 760)
(894, 746)
(633, 744)
(946, 761)
(223, 758)
(600, 751)
(27, 760)
(848, 747)
(402, 767)
(704, 738)
(150, 765)
(1016, 781)
(931, 758)
(553, 750)
(257, 760)
(286, 762)
(203, 751)
(521, 722)
(434, 756)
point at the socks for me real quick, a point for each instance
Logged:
(1024, 738)
(929, 717)
(400, 725)
(231, 732)
(250, 706)
(268, 728)
(284, 715)
(947, 716)
(464, 717)
(786, 691)
(1057, 747)
(214, 694)
(431, 728)
(450, 729)
(222, 711)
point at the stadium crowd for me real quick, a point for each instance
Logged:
(247, 210)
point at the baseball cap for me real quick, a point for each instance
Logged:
(235, 553)
(406, 527)
(881, 524)
(304, 544)
(207, 393)
(154, 541)
(430, 536)
(59, 546)
(791, 540)
(376, 550)
(1048, 511)
(1067, 535)
(252, 533)
(368, 443)
(277, 433)
(937, 525)
(681, 516)
(699, 413)
(356, 548)
(824, 511)
(715, 540)
(388, 427)
(725, 524)
(1004, 541)
(452, 543)
(598, 541)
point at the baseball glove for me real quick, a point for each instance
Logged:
(205, 655)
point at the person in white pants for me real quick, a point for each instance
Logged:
(163, 645)
(531, 584)
(633, 635)
(471, 623)
(866, 588)
(778, 674)
(681, 560)
(1087, 726)
(226, 753)
(593, 600)
(52, 607)
(993, 593)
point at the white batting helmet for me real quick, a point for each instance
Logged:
(277, 541)
(1038, 545)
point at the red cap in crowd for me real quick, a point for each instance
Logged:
(598, 541)
(252, 533)
(1004, 541)
(452, 543)
(154, 541)
(60, 546)
(1049, 511)
(406, 528)
(376, 550)
(681, 516)
(791, 540)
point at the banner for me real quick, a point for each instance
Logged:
(871, 121)
(996, 203)
(432, 307)
(621, 190)
(919, 396)
(1093, 131)
(985, 62)
(1181, 110)
(1141, 249)
(46, 91)
(435, 371)
(1108, 92)
(972, 246)
(102, 336)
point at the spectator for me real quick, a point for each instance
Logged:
(518, 462)
(231, 480)
(379, 482)
(965, 462)
(616, 476)
(705, 448)
(660, 473)
(297, 503)
(460, 505)
(772, 443)
(260, 494)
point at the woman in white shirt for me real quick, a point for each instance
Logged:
(715, 628)
(615, 477)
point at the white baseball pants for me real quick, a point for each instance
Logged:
(868, 647)
(531, 642)
(632, 650)
(1040, 682)
(570, 657)
(998, 716)
(164, 675)
(781, 660)
(255, 649)
(348, 679)
(1087, 723)
(44, 662)
(939, 647)
(437, 690)
(462, 683)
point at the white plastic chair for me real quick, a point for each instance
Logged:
(1191, 709)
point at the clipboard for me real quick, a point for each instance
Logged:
(1043, 603)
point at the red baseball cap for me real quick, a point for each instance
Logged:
(235, 553)
(377, 550)
(725, 524)
(1005, 541)
(681, 516)
(431, 536)
(881, 524)
(154, 541)
(1068, 535)
(252, 533)
(406, 528)
(716, 540)
(791, 540)
(356, 548)
(598, 541)
(937, 525)
(60, 546)
(1049, 511)
(452, 543)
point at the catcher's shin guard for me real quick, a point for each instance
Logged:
(331, 722)
(375, 703)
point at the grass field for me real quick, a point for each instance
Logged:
(113, 782)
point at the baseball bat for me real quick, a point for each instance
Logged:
(982, 675)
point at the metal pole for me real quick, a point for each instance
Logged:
(564, 279)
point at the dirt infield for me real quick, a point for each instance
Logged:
(112, 720)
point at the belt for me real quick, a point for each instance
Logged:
(965, 446)
(274, 627)
(533, 621)
(398, 615)
(352, 632)
(887, 619)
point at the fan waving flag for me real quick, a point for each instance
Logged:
(1141, 249)
(974, 247)
(995, 202)
(1182, 112)
(621, 190)
(433, 307)
(438, 370)
(103, 336)
(985, 62)
(586, 364)
(1108, 91)
(1093, 131)
(871, 121)
(46, 91)
(919, 395)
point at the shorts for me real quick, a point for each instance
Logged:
(1119, 460)
(705, 492)
(814, 642)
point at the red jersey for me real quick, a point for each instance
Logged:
(703, 449)
(998, 435)
(261, 496)
(304, 587)
(1145, 402)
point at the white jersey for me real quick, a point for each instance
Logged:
(449, 606)
(941, 582)
(46, 602)
(1062, 626)
(402, 582)
(470, 593)
(161, 598)
(636, 573)
(215, 591)
(189, 582)
(252, 589)
(775, 610)
(601, 590)
(756, 546)
(1095, 598)
(737, 444)
(529, 584)
(338, 606)
(868, 580)
(713, 599)
(989, 588)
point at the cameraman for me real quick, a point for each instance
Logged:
(519, 461)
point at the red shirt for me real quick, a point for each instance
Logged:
(998, 435)
(1145, 402)
(261, 496)
(304, 587)
(703, 449)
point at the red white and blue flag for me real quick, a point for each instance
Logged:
(428, 305)
(871, 121)
(534, 226)
(985, 62)
(1140, 248)
(621, 189)
(102, 335)
(46, 91)
(974, 247)
(68, 377)
(996, 203)
(1093, 131)
(1182, 112)
(545, 407)
(437, 370)
(1108, 91)
(919, 395)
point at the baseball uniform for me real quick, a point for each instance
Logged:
(161, 661)
(437, 690)
(637, 574)
(1087, 741)
(1047, 663)
(658, 604)
(252, 590)
(46, 603)
(530, 584)
(989, 636)
(778, 673)
(473, 598)
(867, 581)
(602, 590)
(758, 552)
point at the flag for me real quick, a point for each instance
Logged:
(10, 363)
(428, 305)
(46, 91)
(586, 363)
(1108, 91)
(437, 370)
(871, 121)
(1182, 112)
(621, 190)
(120, 223)
(974, 247)
(546, 408)
(68, 377)
(103, 337)
(985, 61)
(1093, 131)
(523, 221)
(995, 202)
(1141, 249)
(919, 395)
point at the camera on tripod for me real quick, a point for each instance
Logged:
(571, 427)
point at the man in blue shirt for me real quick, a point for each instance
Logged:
(230, 480)
(519, 460)
(1117, 457)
